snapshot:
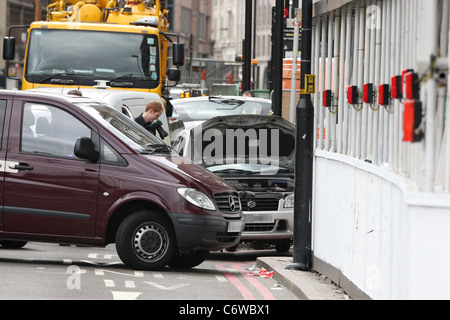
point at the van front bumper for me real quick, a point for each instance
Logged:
(203, 232)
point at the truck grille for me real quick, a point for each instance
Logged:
(260, 204)
(228, 202)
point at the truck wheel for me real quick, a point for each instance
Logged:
(9, 244)
(189, 260)
(146, 241)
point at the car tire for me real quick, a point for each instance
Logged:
(189, 260)
(233, 248)
(9, 244)
(146, 240)
(283, 245)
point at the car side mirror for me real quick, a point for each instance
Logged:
(85, 149)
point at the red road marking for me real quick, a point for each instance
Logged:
(252, 279)
(245, 292)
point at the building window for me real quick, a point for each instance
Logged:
(186, 20)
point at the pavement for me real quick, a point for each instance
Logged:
(306, 285)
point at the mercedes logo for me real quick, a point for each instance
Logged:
(233, 203)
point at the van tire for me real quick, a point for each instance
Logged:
(146, 240)
(189, 260)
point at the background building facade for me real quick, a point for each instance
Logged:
(191, 19)
(228, 32)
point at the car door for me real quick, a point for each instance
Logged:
(49, 192)
(3, 104)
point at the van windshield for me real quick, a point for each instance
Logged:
(126, 129)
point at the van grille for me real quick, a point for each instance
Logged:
(228, 202)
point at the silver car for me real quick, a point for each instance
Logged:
(255, 154)
(194, 111)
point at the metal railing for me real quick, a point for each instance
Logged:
(369, 42)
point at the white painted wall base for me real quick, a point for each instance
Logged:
(372, 225)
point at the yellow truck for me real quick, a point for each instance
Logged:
(83, 44)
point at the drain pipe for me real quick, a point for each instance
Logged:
(302, 255)
(431, 100)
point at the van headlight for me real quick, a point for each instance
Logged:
(197, 198)
(289, 201)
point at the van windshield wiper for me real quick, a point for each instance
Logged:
(159, 148)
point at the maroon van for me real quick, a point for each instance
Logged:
(76, 171)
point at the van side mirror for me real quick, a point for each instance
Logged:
(85, 149)
(178, 54)
(9, 48)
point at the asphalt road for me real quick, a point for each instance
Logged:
(52, 272)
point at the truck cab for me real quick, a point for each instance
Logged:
(80, 43)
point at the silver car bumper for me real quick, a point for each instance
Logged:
(268, 225)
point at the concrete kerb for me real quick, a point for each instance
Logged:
(306, 285)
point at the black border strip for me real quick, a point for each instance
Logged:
(48, 213)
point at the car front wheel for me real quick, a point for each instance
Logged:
(146, 241)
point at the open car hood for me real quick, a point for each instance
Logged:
(244, 139)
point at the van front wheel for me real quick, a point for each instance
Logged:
(189, 260)
(146, 241)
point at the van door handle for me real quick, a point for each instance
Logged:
(20, 167)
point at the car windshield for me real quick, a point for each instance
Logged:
(132, 63)
(200, 110)
(126, 129)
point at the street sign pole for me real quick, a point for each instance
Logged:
(277, 97)
(302, 258)
(247, 71)
(294, 71)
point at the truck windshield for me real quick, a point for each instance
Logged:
(78, 57)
